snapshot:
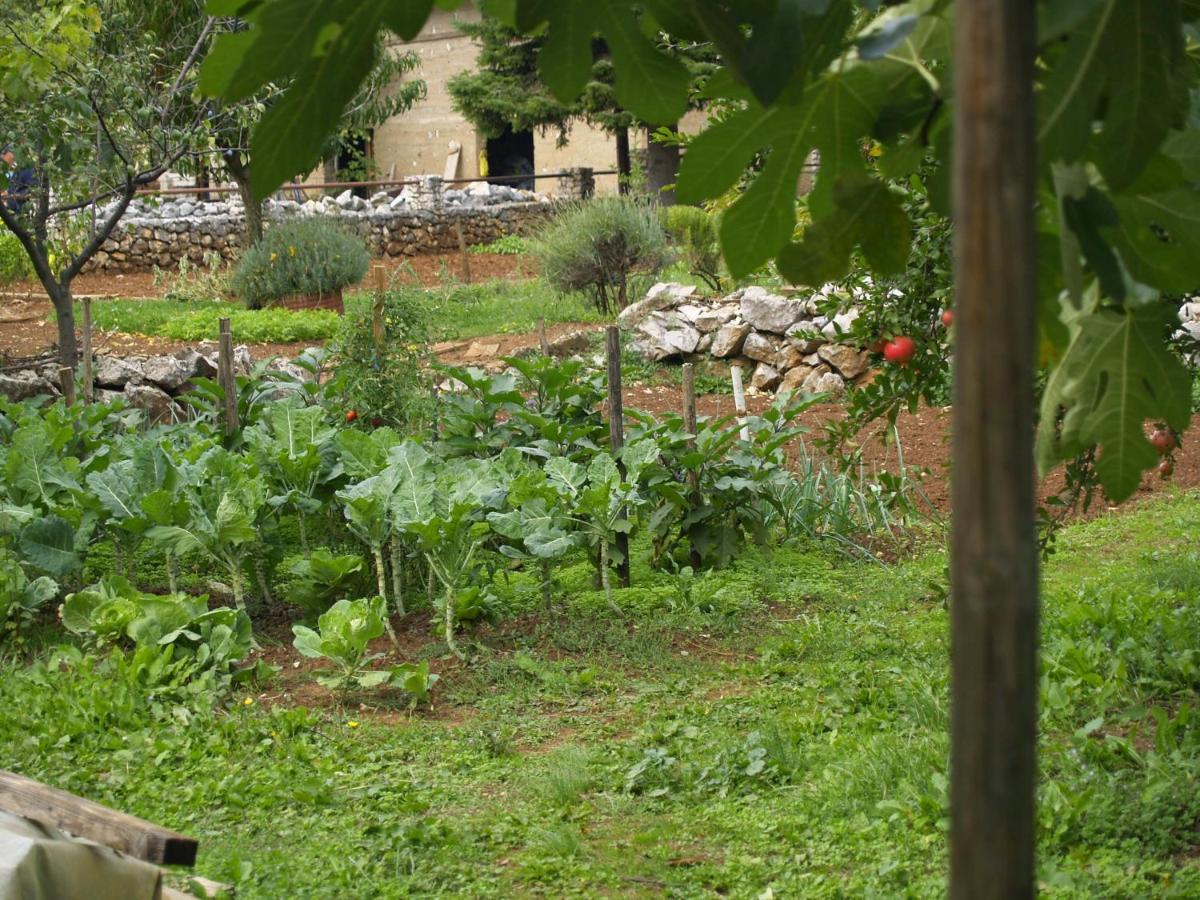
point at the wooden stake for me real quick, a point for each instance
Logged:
(543, 338)
(83, 818)
(87, 377)
(739, 399)
(993, 546)
(616, 429)
(464, 256)
(377, 329)
(690, 422)
(227, 377)
(66, 379)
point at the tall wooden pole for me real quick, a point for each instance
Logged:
(994, 560)
(377, 327)
(86, 376)
(616, 430)
(227, 376)
(691, 423)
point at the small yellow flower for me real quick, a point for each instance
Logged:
(249, 701)
(274, 256)
(291, 250)
(352, 724)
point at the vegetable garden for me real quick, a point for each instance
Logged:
(372, 624)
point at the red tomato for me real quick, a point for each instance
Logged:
(947, 317)
(351, 416)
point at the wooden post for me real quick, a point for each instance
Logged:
(83, 818)
(66, 380)
(463, 255)
(690, 422)
(543, 338)
(616, 430)
(227, 377)
(86, 375)
(739, 399)
(993, 546)
(377, 329)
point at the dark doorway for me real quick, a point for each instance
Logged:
(355, 159)
(511, 154)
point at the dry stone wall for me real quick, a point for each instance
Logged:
(784, 342)
(422, 218)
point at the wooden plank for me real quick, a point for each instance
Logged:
(616, 429)
(83, 818)
(993, 547)
(543, 337)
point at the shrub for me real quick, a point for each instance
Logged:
(597, 245)
(303, 256)
(14, 262)
(509, 245)
(391, 386)
(693, 231)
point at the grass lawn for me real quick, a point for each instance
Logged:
(455, 312)
(774, 729)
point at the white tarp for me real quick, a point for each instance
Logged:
(39, 863)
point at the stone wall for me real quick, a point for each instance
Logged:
(425, 217)
(783, 342)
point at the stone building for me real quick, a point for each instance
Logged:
(421, 141)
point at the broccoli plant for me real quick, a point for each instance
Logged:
(224, 498)
(602, 497)
(343, 635)
(294, 448)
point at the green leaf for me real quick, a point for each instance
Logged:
(867, 213)
(649, 83)
(289, 138)
(1116, 376)
(718, 156)
(49, 544)
(407, 17)
(1086, 217)
(1158, 237)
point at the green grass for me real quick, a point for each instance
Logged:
(777, 725)
(455, 312)
(458, 312)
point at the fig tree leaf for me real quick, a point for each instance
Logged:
(1116, 376)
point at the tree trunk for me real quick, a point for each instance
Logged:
(64, 310)
(252, 208)
(662, 169)
(994, 563)
(624, 164)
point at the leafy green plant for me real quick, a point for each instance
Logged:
(293, 446)
(509, 245)
(388, 383)
(14, 261)
(300, 256)
(225, 496)
(693, 231)
(20, 598)
(175, 633)
(194, 283)
(320, 579)
(596, 246)
(257, 326)
(342, 637)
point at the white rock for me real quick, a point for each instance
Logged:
(761, 347)
(728, 339)
(769, 312)
(661, 296)
(840, 324)
(665, 335)
(765, 377)
(112, 371)
(848, 361)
